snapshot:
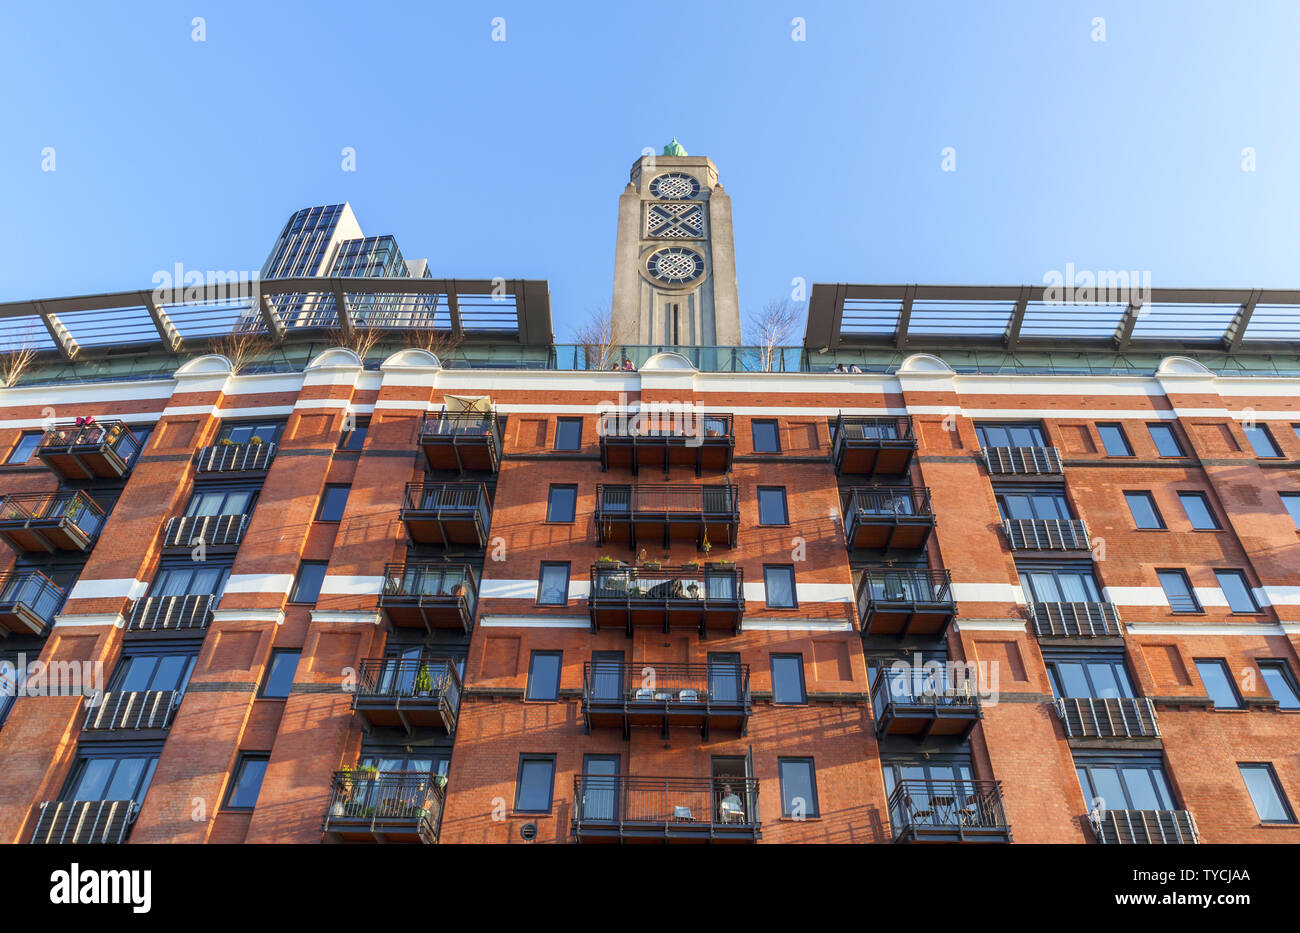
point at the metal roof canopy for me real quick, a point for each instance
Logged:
(74, 329)
(935, 317)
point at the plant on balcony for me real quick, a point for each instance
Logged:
(423, 683)
(255, 441)
(693, 563)
(225, 442)
(705, 545)
(606, 559)
(440, 781)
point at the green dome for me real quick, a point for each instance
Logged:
(674, 148)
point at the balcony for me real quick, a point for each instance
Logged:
(84, 822)
(704, 598)
(1046, 534)
(665, 809)
(132, 710)
(1142, 827)
(461, 441)
(948, 811)
(1109, 718)
(698, 696)
(99, 450)
(217, 532)
(227, 460)
(873, 446)
(408, 693)
(1023, 461)
(631, 439)
(429, 595)
(916, 702)
(383, 806)
(449, 514)
(28, 601)
(655, 514)
(183, 614)
(1076, 620)
(887, 517)
(906, 602)
(67, 520)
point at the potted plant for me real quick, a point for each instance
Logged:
(423, 683)
(225, 442)
(705, 545)
(255, 441)
(440, 781)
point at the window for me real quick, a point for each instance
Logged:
(1292, 503)
(247, 782)
(207, 502)
(306, 588)
(1178, 590)
(1261, 439)
(142, 670)
(1059, 583)
(1197, 507)
(1218, 683)
(767, 440)
(553, 585)
(22, 451)
(1166, 441)
(535, 784)
(568, 434)
(771, 506)
(1093, 674)
(279, 675)
(561, 503)
(787, 679)
(798, 787)
(1032, 502)
(1012, 434)
(333, 503)
(189, 579)
(1114, 440)
(355, 438)
(251, 432)
(1281, 685)
(111, 776)
(1234, 586)
(1266, 793)
(778, 581)
(1143, 509)
(544, 676)
(1124, 783)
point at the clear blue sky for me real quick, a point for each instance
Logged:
(507, 159)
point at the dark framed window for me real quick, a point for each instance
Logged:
(1237, 590)
(1142, 506)
(354, 438)
(1068, 582)
(535, 784)
(1218, 683)
(772, 506)
(22, 451)
(251, 432)
(1123, 782)
(544, 675)
(1025, 502)
(798, 786)
(1084, 674)
(332, 503)
(1266, 793)
(190, 579)
(237, 500)
(1280, 682)
(1199, 513)
(1178, 590)
(1010, 434)
(778, 581)
(1261, 440)
(1166, 440)
(279, 673)
(767, 439)
(568, 434)
(553, 584)
(306, 586)
(246, 783)
(787, 679)
(1292, 502)
(111, 774)
(148, 669)
(561, 503)
(1114, 440)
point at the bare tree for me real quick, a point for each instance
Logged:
(15, 359)
(360, 340)
(242, 346)
(441, 343)
(772, 328)
(600, 336)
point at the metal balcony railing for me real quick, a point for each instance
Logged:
(1139, 827)
(892, 601)
(215, 531)
(654, 689)
(133, 709)
(67, 520)
(235, 458)
(657, 499)
(1108, 718)
(951, 810)
(411, 692)
(431, 594)
(665, 807)
(1076, 620)
(922, 702)
(28, 602)
(461, 440)
(1022, 460)
(171, 613)
(700, 595)
(688, 425)
(385, 803)
(84, 451)
(881, 517)
(447, 513)
(86, 822)
(887, 501)
(1046, 534)
(872, 446)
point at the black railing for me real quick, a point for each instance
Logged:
(1108, 718)
(687, 586)
(665, 686)
(430, 582)
(878, 445)
(87, 822)
(909, 686)
(1046, 534)
(947, 809)
(887, 501)
(661, 499)
(1076, 620)
(385, 802)
(215, 531)
(28, 602)
(688, 425)
(459, 500)
(902, 589)
(235, 458)
(39, 512)
(870, 429)
(171, 613)
(111, 440)
(665, 804)
(460, 424)
(1022, 460)
(1140, 827)
(133, 709)
(432, 680)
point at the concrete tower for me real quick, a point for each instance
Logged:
(675, 266)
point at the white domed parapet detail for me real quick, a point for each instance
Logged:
(411, 358)
(1182, 366)
(925, 363)
(335, 358)
(667, 361)
(213, 364)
